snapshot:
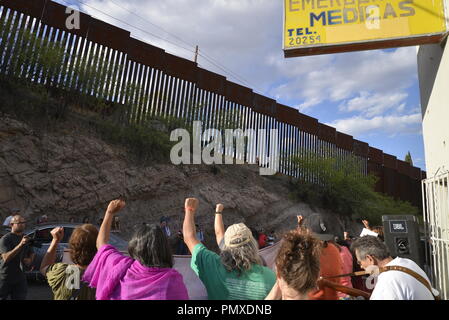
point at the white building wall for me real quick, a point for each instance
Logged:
(433, 71)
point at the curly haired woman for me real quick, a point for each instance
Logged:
(82, 245)
(297, 267)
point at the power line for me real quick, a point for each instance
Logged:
(222, 68)
(212, 61)
(132, 26)
(203, 54)
(153, 24)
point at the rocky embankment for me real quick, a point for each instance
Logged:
(68, 173)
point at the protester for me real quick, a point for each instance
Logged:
(181, 248)
(271, 239)
(255, 233)
(330, 261)
(373, 256)
(147, 274)
(220, 231)
(115, 224)
(7, 222)
(15, 253)
(164, 226)
(262, 240)
(43, 219)
(237, 273)
(367, 230)
(380, 232)
(347, 267)
(82, 246)
(347, 239)
(199, 233)
(360, 282)
(297, 267)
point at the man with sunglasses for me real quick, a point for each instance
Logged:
(15, 252)
(7, 222)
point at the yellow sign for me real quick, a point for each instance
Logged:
(319, 23)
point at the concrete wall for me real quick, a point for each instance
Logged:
(433, 71)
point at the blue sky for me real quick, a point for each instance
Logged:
(372, 95)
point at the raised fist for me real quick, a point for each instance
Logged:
(219, 208)
(57, 233)
(366, 224)
(191, 204)
(115, 206)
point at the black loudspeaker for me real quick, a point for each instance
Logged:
(401, 234)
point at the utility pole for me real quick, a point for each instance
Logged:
(196, 55)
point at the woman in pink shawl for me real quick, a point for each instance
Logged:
(146, 275)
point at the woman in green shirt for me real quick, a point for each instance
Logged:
(65, 279)
(238, 272)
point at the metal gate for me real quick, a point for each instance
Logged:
(436, 218)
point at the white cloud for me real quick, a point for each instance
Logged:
(344, 76)
(246, 38)
(389, 125)
(240, 35)
(375, 104)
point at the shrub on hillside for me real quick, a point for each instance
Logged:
(339, 184)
